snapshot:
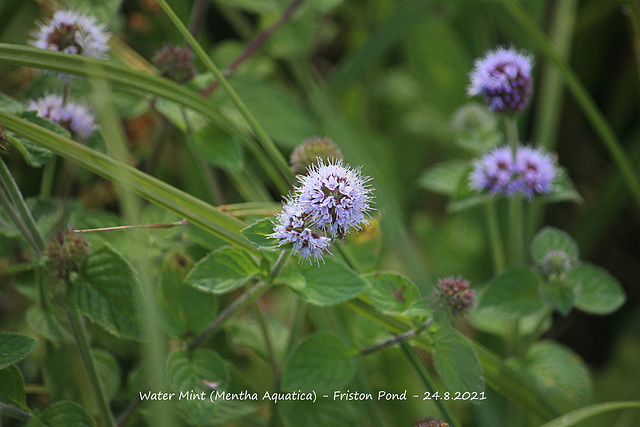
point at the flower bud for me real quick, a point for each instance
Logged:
(476, 127)
(65, 252)
(454, 294)
(175, 63)
(555, 264)
(310, 150)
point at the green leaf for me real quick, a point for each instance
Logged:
(223, 271)
(108, 371)
(10, 105)
(560, 373)
(598, 291)
(105, 291)
(574, 417)
(514, 293)
(258, 232)
(254, 6)
(35, 155)
(187, 371)
(330, 284)
(104, 10)
(465, 197)
(444, 178)
(44, 323)
(186, 309)
(563, 190)
(391, 292)
(14, 347)
(12, 387)
(321, 363)
(322, 413)
(296, 38)
(247, 332)
(218, 147)
(551, 239)
(456, 362)
(560, 295)
(65, 413)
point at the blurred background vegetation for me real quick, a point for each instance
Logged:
(383, 79)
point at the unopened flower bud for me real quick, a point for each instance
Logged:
(555, 264)
(476, 127)
(66, 251)
(175, 63)
(454, 294)
(310, 150)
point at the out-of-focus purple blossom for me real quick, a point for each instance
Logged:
(76, 118)
(503, 78)
(72, 32)
(454, 294)
(497, 172)
(335, 196)
(175, 63)
(537, 171)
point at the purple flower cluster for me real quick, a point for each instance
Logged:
(332, 200)
(497, 172)
(454, 293)
(72, 32)
(503, 77)
(76, 118)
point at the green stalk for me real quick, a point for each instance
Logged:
(13, 192)
(428, 382)
(495, 239)
(48, 176)
(267, 144)
(582, 97)
(89, 363)
(516, 224)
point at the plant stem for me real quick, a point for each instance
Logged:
(88, 361)
(273, 358)
(241, 302)
(198, 16)
(48, 176)
(14, 194)
(495, 239)
(428, 382)
(17, 220)
(132, 227)
(395, 340)
(14, 412)
(516, 223)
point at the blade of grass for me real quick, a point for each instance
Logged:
(191, 208)
(574, 417)
(582, 97)
(135, 80)
(267, 144)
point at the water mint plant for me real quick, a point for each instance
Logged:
(201, 278)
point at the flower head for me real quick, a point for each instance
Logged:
(293, 227)
(494, 172)
(455, 295)
(335, 196)
(430, 422)
(310, 150)
(555, 264)
(503, 77)
(537, 171)
(72, 32)
(175, 63)
(66, 251)
(76, 118)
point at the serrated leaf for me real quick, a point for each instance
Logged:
(68, 414)
(321, 362)
(514, 293)
(456, 362)
(187, 371)
(258, 232)
(223, 270)
(560, 373)
(391, 292)
(218, 147)
(45, 324)
(444, 178)
(12, 387)
(551, 239)
(598, 291)
(322, 413)
(35, 155)
(105, 291)
(248, 332)
(14, 347)
(330, 284)
(563, 190)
